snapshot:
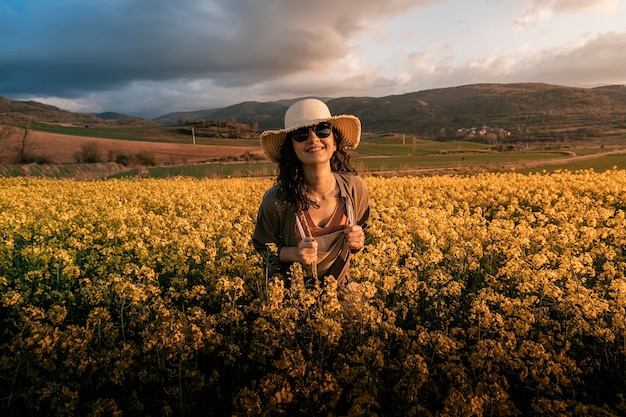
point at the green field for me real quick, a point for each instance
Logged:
(161, 134)
(376, 154)
(399, 146)
(601, 164)
(400, 164)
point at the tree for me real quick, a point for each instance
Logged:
(491, 138)
(23, 158)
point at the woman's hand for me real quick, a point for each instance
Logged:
(307, 252)
(355, 238)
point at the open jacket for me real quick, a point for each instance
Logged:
(276, 222)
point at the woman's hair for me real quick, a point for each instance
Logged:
(292, 186)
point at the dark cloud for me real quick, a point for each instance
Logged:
(147, 58)
(69, 47)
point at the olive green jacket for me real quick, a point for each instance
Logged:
(276, 223)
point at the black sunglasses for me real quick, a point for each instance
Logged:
(321, 130)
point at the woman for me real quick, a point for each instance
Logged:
(318, 210)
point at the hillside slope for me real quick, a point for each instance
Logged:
(528, 111)
(14, 112)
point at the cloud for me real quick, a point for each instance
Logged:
(538, 10)
(147, 59)
(597, 61)
(584, 62)
(70, 47)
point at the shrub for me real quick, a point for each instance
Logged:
(89, 153)
(146, 158)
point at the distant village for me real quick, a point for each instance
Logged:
(487, 132)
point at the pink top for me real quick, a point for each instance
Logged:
(338, 221)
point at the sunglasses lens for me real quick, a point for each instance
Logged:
(300, 135)
(321, 130)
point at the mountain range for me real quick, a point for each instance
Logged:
(540, 111)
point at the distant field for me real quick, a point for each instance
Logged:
(397, 146)
(162, 134)
(152, 134)
(427, 164)
(601, 164)
(388, 154)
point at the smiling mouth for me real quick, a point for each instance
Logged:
(316, 149)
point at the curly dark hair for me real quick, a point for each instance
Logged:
(292, 186)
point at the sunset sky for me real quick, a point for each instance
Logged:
(149, 58)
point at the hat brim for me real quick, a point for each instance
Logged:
(349, 126)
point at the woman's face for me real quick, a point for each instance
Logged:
(314, 145)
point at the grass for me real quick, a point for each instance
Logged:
(398, 146)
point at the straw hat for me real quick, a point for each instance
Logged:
(307, 113)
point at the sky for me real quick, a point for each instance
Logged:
(148, 58)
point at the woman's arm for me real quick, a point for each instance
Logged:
(305, 252)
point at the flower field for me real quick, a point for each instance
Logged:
(493, 294)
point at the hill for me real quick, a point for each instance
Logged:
(525, 111)
(14, 112)
(111, 115)
(540, 111)
(264, 114)
(249, 112)
(181, 117)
